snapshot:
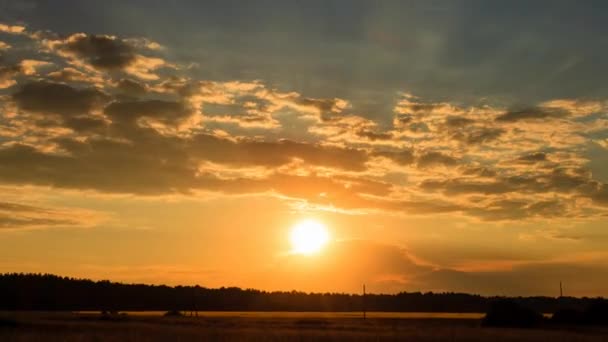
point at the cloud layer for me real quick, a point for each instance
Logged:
(110, 114)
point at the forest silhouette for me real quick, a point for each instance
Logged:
(48, 292)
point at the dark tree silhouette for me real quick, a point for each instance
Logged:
(508, 313)
(50, 292)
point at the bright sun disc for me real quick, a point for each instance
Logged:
(308, 237)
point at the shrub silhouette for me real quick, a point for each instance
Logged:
(508, 313)
(568, 316)
(597, 313)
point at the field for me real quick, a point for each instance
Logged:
(76, 327)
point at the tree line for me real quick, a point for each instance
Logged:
(19, 291)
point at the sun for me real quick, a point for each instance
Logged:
(308, 237)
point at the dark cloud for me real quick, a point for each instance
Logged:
(131, 87)
(167, 112)
(458, 121)
(418, 107)
(327, 108)
(248, 152)
(421, 207)
(460, 186)
(500, 210)
(469, 132)
(402, 120)
(560, 180)
(479, 171)
(374, 136)
(533, 157)
(431, 159)
(153, 164)
(102, 165)
(548, 208)
(55, 98)
(101, 51)
(531, 114)
(478, 135)
(568, 180)
(85, 124)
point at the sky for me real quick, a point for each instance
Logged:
(445, 145)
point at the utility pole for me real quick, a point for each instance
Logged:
(364, 308)
(561, 290)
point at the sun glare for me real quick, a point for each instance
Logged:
(308, 237)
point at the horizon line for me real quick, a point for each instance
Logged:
(293, 290)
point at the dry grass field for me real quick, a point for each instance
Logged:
(78, 327)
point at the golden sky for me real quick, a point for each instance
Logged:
(146, 144)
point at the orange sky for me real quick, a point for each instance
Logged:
(137, 160)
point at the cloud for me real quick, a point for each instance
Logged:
(54, 98)
(600, 195)
(344, 266)
(101, 51)
(533, 113)
(106, 53)
(499, 210)
(144, 67)
(533, 157)
(390, 268)
(458, 186)
(433, 159)
(165, 112)
(132, 88)
(69, 74)
(98, 115)
(12, 29)
(27, 67)
(478, 136)
(278, 153)
(458, 121)
(8, 75)
(153, 164)
(17, 216)
(542, 278)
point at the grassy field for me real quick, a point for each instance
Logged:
(76, 327)
(312, 314)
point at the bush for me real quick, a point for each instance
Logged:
(597, 313)
(508, 313)
(567, 316)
